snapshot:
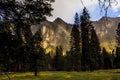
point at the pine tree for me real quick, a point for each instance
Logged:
(118, 35)
(85, 30)
(48, 61)
(112, 55)
(94, 50)
(106, 59)
(58, 61)
(37, 51)
(75, 46)
(69, 61)
(76, 22)
(117, 58)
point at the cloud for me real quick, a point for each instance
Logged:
(118, 15)
(116, 6)
(66, 9)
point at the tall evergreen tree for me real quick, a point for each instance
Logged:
(36, 50)
(106, 59)
(48, 61)
(118, 35)
(94, 50)
(85, 30)
(75, 45)
(69, 61)
(58, 61)
(112, 56)
(117, 58)
(77, 21)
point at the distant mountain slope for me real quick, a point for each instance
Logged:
(58, 33)
(107, 31)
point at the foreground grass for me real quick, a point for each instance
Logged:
(96, 75)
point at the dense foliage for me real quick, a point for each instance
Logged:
(21, 51)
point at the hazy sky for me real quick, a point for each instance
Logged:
(66, 9)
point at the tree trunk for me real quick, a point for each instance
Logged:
(35, 68)
(7, 76)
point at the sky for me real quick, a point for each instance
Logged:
(66, 9)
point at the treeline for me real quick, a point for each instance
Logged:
(21, 51)
(85, 53)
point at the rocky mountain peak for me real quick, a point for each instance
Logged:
(59, 21)
(58, 33)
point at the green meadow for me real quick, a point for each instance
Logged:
(95, 75)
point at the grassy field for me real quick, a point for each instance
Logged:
(96, 75)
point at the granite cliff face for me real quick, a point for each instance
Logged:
(54, 33)
(106, 31)
(58, 33)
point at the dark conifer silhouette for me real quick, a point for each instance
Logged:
(85, 30)
(106, 59)
(37, 52)
(58, 61)
(75, 55)
(95, 59)
(117, 58)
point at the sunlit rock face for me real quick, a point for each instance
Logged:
(54, 34)
(106, 30)
(58, 33)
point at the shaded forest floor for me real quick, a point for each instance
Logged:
(54, 75)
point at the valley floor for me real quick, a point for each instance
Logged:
(96, 75)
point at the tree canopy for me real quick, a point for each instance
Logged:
(27, 10)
